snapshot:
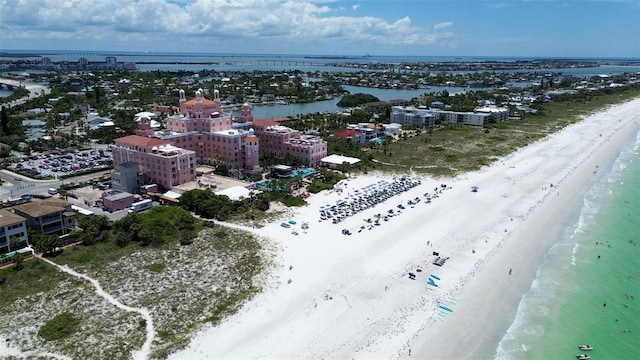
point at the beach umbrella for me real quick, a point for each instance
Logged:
(474, 188)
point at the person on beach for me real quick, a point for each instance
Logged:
(510, 271)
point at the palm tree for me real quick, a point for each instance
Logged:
(18, 259)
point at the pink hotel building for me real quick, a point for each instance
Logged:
(201, 134)
(160, 162)
(282, 140)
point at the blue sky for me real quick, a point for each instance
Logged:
(574, 28)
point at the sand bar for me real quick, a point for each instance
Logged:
(336, 296)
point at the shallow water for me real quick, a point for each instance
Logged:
(596, 262)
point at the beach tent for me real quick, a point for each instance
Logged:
(235, 193)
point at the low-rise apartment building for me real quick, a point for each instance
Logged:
(12, 227)
(463, 118)
(412, 116)
(482, 116)
(51, 216)
(499, 114)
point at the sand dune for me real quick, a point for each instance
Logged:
(350, 295)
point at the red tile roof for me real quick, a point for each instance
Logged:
(346, 133)
(141, 141)
(205, 102)
(263, 122)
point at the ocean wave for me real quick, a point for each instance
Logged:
(552, 284)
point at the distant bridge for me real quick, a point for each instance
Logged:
(10, 84)
(214, 60)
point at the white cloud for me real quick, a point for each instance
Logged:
(443, 25)
(165, 23)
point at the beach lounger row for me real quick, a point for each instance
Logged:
(440, 261)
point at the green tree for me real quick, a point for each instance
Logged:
(44, 243)
(94, 229)
(345, 167)
(4, 121)
(18, 259)
(122, 239)
(16, 244)
(356, 100)
(148, 236)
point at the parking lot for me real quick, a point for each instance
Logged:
(53, 165)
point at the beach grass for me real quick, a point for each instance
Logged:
(184, 287)
(451, 150)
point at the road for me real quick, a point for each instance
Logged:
(11, 187)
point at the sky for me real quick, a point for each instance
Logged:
(544, 28)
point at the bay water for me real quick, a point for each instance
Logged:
(588, 289)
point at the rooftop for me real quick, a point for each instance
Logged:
(204, 101)
(346, 133)
(263, 122)
(9, 218)
(141, 141)
(43, 207)
(339, 159)
(115, 195)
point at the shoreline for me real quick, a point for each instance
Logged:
(350, 296)
(546, 223)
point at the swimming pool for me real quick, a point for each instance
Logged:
(304, 172)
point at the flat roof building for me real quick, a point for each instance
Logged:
(412, 116)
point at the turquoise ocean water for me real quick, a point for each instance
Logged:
(565, 306)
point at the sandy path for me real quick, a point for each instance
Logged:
(144, 352)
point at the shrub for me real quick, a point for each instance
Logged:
(59, 327)
(155, 267)
(451, 158)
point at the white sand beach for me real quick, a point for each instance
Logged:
(350, 296)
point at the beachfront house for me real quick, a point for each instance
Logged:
(351, 135)
(51, 216)
(13, 231)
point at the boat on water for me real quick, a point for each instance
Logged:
(585, 347)
(583, 357)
